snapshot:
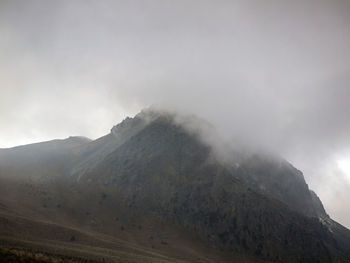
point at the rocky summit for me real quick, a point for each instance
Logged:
(156, 190)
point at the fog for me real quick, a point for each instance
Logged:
(269, 73)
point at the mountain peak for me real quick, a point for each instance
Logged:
(161, 164)
(139, 120)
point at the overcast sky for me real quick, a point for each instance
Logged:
(272, 72)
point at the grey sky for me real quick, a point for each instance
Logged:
(272, 72)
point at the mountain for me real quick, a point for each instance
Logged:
(38, 158)
(155, 190)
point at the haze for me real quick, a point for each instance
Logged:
(270, 73)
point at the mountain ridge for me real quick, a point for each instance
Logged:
(160, 166)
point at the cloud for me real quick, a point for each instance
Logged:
(270, 73)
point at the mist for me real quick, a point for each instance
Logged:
(274, 74)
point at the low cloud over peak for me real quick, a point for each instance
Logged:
(269, 73)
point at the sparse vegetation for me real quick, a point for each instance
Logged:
(15, 255)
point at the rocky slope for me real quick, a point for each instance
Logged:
(256, 205)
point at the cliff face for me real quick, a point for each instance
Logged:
(262, 206)
(278, 179)
(158, 138)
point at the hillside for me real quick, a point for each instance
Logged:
(154, 190)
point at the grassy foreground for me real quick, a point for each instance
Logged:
(12, 255)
